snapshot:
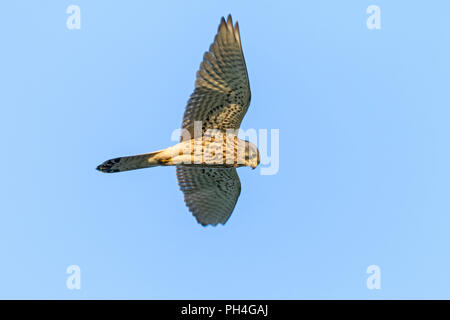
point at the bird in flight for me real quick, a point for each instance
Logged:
(209, 150)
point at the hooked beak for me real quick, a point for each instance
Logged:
(257, 160)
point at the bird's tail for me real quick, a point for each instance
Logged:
(147, 160)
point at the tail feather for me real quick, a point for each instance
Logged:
(131, 163)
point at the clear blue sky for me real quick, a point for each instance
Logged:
(364, 175)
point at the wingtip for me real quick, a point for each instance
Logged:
(230, 22)
(213, 225)
(208, 222)
(227, 25)
(237, 32)
(222, 24)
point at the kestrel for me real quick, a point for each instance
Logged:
(209, 150)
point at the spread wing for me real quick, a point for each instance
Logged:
(222, 91)
(209, 193)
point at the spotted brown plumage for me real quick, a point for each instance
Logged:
(206, 164)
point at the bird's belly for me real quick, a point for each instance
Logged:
(213, 154)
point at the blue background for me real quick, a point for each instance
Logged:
(364, 151)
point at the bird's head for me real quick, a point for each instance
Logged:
(251, 155)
